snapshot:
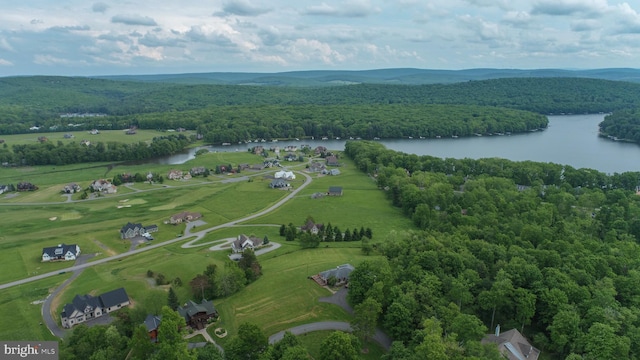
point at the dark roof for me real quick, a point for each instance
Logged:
(60, 250)
(335, 189)
(114, 297)
(131, 226)
(191, 308)
(154, 226)
(152, 322)
(340, 272)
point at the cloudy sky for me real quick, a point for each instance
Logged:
(79, 37)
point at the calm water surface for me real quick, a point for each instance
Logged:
(570, 139)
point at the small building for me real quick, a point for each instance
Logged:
(86, 307)
(61, 252)
(198, 170)
(512, 345)
(317, 167)
(335, 191)
(244, 242)
(68, 136)
(152, 323)
(334, 172)
(26, 186)
(197, 315)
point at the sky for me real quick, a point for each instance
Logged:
(113, 37)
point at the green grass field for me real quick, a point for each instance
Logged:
(313, 342)
(283, 297)
(104, 136)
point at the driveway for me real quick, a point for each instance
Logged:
(380, 337)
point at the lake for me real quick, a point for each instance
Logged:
(569, 139)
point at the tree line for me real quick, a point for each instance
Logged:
(558, 260)
(25, 102)
(48, 153)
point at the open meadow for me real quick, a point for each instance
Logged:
(283, 297)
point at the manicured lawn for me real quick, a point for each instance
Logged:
(104, 136)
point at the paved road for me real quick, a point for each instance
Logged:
(380, 337)
(198, 235)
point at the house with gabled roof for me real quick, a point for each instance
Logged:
(152, 323)
(332, 160)
(61, 252)
(131, 230)
(283, 174)
(317, 166)
(184, 216)
(197, 315)
(341, 273)
(244, 242)
(86, 307)
(312, 227)
(104, 186)
(335, 191)
(512, 345)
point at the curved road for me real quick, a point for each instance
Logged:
(198, 235)
(380, 337)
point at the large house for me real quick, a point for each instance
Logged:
(282, 174)
(244, 242)
(61, 252)
(341, 273)
(197, 315)
(131, 230)
(279, 184)
(184, 216)
(86, 307)
(312, 227)
(104, 186)
(512, 344)
(332, 160)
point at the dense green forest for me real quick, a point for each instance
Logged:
(29, 101)
(558, 259)
(74, 153)
(622, 124)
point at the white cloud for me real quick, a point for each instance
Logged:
(243, 8)
(4, 62)
(100, 7)
(349, 9)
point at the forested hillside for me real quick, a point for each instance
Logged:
(25, 102)
(558, 259)
(623, 125)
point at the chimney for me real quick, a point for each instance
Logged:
(498, 330)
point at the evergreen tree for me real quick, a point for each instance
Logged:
(347, 235)
(172, 300)
(338, 234)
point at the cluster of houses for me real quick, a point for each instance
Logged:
(133, 230)
(26, 186)
(61, 252)
(86, 307)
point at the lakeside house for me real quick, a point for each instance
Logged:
(86, 307)
(61, 252)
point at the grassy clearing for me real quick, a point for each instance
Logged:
(104, 136)
(283, 297)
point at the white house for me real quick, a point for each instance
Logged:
(283, 174)
(61, 252)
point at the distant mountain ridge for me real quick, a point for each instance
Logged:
(400, 76)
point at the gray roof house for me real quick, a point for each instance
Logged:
(197, 315)
(279, 184)
(131, 230)
(335, 191)
(61, 252)
(86, 307)
(512, 345)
